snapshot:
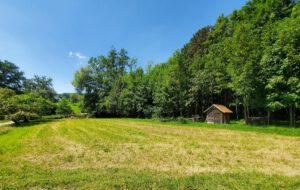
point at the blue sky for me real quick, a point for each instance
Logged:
(56, 37)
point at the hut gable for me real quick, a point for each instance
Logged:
(218, 114)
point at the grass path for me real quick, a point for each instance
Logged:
(5, 123)
(139, 154)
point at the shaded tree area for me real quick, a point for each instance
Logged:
(24, 99)
(248, 61)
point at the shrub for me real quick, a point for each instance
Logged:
(256, 120)
(29, 103)
(63, 107)
(166, 119)
(181, 120)
(5, 94)
(22, 116)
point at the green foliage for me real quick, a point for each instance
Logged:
(5, 94)
(63, 107)
(281, 63)
(30, 103)
(101, 77)
(22, 116)
(76, 107)
(23, 107)
(249, 61)
(10, 76)
(75, 98)
(296, 10)
(23, 99)
(135, 95)
(42, 86)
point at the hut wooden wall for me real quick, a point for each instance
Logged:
(214, 116)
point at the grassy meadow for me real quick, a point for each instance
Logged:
(147, 154)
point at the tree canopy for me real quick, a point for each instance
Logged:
(249, 61)
(10, 76)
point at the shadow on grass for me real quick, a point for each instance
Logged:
(284, 124)
(233, 125)
(35, 122)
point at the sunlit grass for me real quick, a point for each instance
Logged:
(144, 154)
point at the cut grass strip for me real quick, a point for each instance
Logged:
(114, 178)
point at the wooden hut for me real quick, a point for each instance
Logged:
(218, 114)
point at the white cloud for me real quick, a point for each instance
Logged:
(78, 55)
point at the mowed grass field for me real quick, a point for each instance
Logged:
(141, 154)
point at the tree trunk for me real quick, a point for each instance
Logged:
(236, 111)
(245, 113)
(225, 98)
(269, 113)
(196, 108)
(292, 115)
(248, 111)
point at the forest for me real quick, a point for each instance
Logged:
(248, 60)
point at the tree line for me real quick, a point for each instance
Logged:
(22, 99)
(248, 61)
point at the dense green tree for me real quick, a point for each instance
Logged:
(281, 65)
(5, 94)
(41, 86)
(98, 78)
(10, 76)
(34, 97)
(75, 97)
(30, 103)
(63, 107)
(249, 60)
(24, 107)
(133, 98)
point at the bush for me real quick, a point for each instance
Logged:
(29, 103)
(181, 120)
(166, 119)
(5, 94)
(63, 108)
(256, 121)
(22, 116)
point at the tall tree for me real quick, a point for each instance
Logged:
(41, 86)
(10, 76)
(96, 80)
(281, 66)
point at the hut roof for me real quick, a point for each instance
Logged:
(220, 107)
